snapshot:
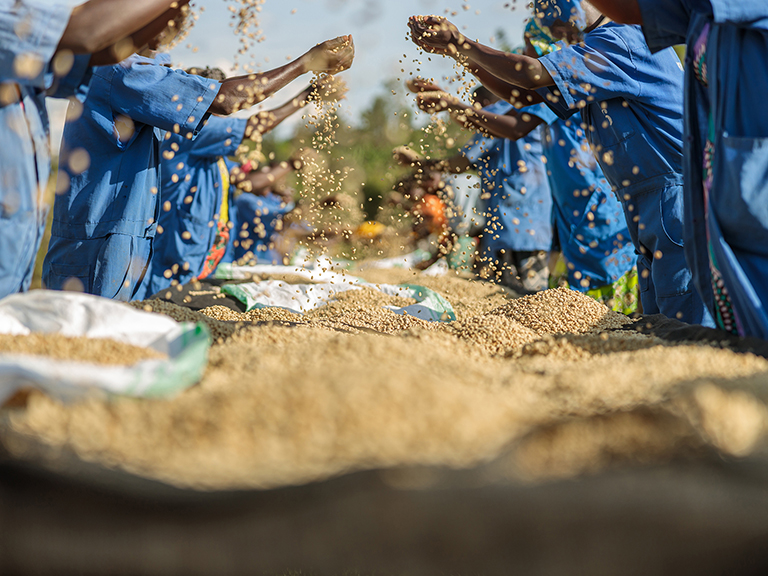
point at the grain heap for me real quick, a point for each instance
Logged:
(496, 333)
(220, 330)
(561, 311)
(77, 349)
(257, 315)
(289, 402)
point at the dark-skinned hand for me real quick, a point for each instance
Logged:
(435, 102)
(331, 56)
(419, 84)
(435, 34)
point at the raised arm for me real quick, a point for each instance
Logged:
(623, 11)
(268, 120)
(457, 164)
(148, 35)
(98, 24)
(511, 126)
(504, 90)
(439, 36)
(240, 92)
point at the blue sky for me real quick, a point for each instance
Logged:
(378, 27)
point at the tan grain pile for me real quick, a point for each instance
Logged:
(562, 311)
(495, 333)
(257, 315)
(77, 349)
(288, 403)
(220, 329)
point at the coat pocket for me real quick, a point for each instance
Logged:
(739, 195)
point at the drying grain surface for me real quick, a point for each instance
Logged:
(561, 311)
(541, 386)
(221, 328)
(77, 349)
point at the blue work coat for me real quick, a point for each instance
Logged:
(191, 196)
(590, 221)
(726, 150)
(518, 200)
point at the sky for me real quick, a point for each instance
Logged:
(379, 28)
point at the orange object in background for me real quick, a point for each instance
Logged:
(432, 211)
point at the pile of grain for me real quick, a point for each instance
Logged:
(289, 402)
(497, 334)
(220, 329)
(468, 299)
(562, 311)
(257, 315)
(77, 349)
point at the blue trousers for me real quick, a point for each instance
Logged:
(113, 267)
(655, 222)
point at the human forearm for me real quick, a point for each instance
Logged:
(457, 164)
(504, 90)
(511, 126)
(513, 69)
(268, 120)
(241, 92)
(121, 50)
(439, 36)
(624, 11)
(244, 91)
(98, 24)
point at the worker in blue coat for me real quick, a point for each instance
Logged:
(592, 229)
(105, 218)
(726, 153)
(518, 232)
(195, 223)
(517, 237)
(259, 213)
(46, 49)
(630, 103)
(589, 221)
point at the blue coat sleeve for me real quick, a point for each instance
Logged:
(738, 11)
(477, 148)
(218, 137)
(600, 69)
(665, 22)
(30, 31)
(79, 76)
(160, 96)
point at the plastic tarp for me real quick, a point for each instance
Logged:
(72, 314)
(301, 298)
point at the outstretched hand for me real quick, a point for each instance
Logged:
(331, 56)
(435, 101)
(405, 156)
(435, 34)
(419, 84)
